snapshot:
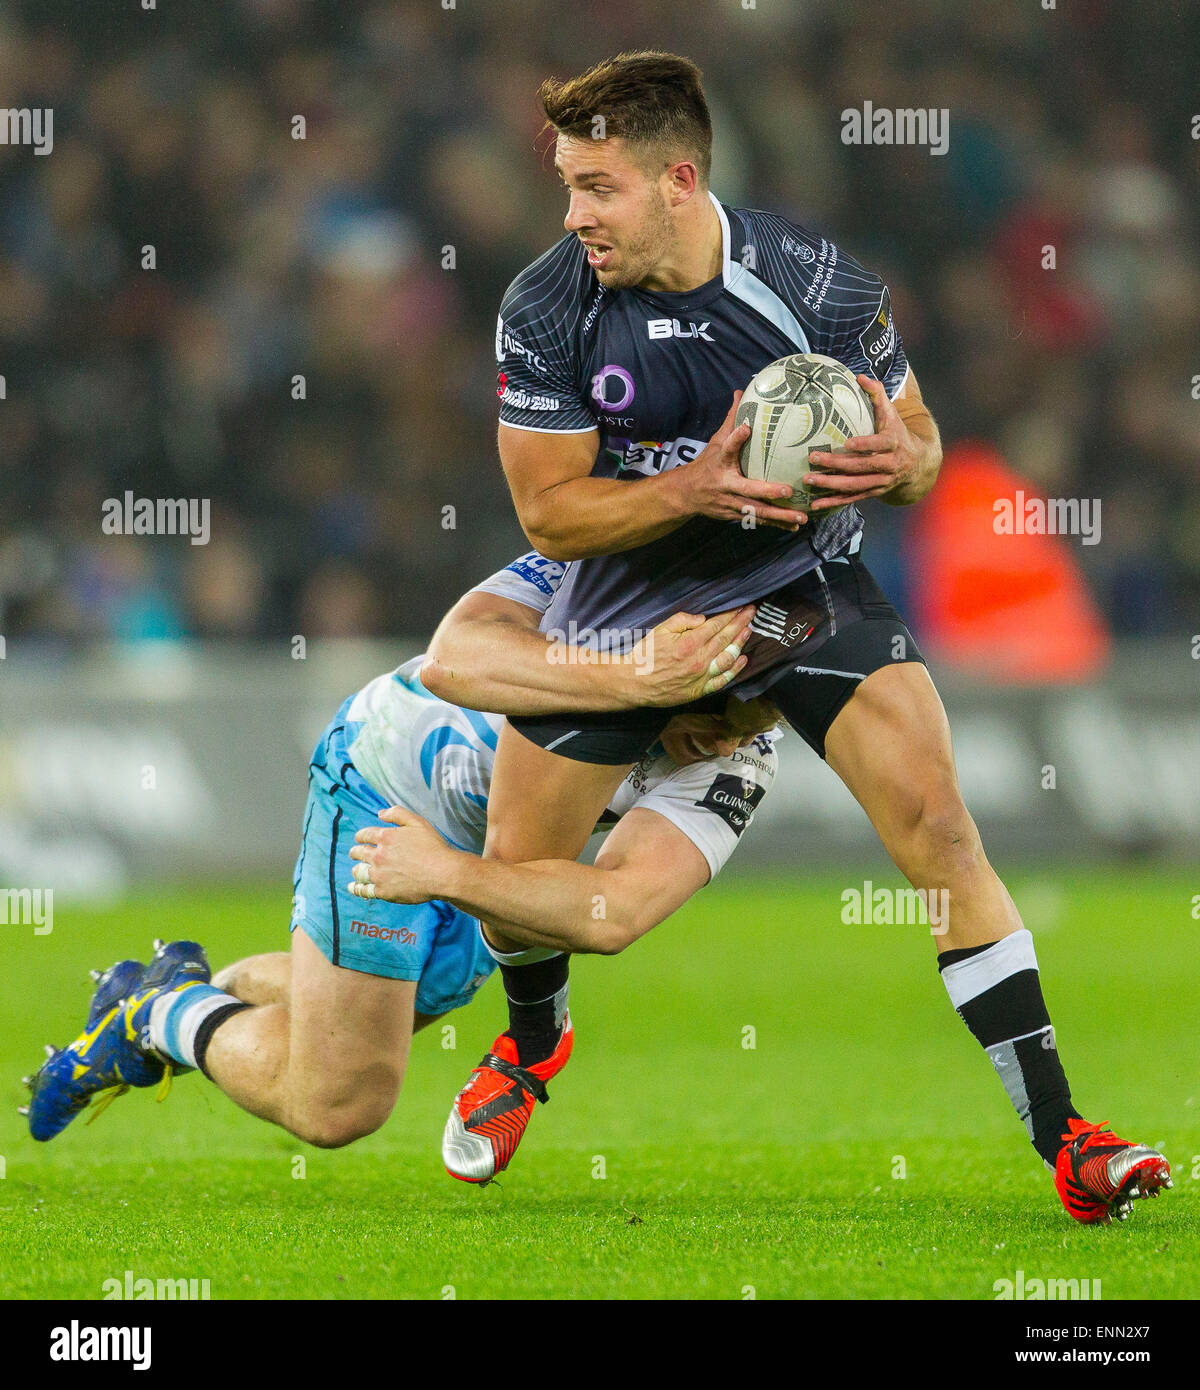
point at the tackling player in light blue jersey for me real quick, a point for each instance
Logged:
(396, 744)
(317, 1039)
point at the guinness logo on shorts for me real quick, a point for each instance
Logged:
(733, 799)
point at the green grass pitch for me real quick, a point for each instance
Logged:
(861, 1148)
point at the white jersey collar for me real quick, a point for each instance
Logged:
(728, 268)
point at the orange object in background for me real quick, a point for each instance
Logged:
(1011, 607)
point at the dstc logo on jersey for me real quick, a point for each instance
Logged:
(601, 389)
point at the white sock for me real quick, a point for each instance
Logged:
(175, 1019)
(529, 956)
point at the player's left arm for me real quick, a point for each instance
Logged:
(646, 869)
(489, 654)
(899, 463)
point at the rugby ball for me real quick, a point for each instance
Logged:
(797, 404)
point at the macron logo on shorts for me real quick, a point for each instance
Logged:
(402, 935)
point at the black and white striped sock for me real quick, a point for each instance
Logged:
(997, 991)
(536, 983)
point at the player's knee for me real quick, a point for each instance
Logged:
(332, 1126)
(234, 978)
(942, 836)
(348, 1108)
(259, 979)
(329, 1131)
(511, 844)
(502, 847)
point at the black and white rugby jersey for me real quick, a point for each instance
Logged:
(655, 373)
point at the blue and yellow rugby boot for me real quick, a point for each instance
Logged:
(112, 1053)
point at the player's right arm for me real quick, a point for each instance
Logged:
(676, 835)
(646, 870)
(569, 515)
(549, 438)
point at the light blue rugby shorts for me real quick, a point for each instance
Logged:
(432, 943)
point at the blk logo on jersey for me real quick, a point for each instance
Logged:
(733, 799)
(672, 328)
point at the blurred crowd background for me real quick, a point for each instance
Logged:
(326, 258)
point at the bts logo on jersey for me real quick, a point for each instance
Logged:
(650, 456)
(878, 339)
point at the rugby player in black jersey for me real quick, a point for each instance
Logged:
(622, 351)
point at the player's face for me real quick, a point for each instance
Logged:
(617, 209)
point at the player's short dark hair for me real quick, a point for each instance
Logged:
(647, 99)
